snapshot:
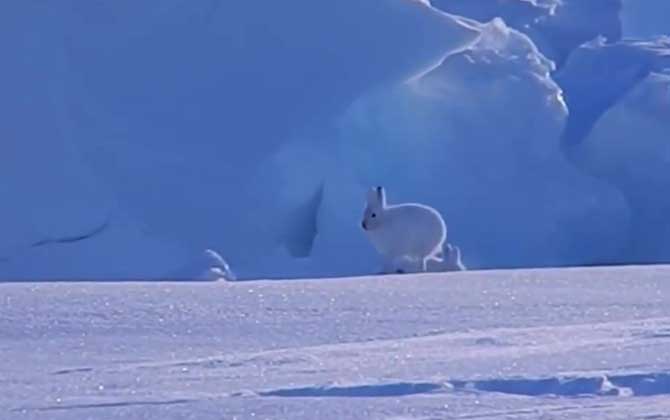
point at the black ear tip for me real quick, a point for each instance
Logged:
(379, 188)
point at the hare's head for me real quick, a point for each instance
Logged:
(374, 209)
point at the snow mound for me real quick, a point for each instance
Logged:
(452, 138)
(629, 149)
(598, 75)
(620, 95)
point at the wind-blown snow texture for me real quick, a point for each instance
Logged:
(537, 127)
(550, 344)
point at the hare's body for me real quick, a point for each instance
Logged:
(406, 235)
(400, 239)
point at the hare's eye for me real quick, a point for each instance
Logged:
(373, 215)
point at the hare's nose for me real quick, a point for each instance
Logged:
(363, 225)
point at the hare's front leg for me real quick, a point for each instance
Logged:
(401, 265)
(388, 265)
(393, 265)
(408, 264)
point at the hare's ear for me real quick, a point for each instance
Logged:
(381, 196)
(373, 198)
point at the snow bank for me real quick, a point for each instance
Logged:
(454, 138)
(598, 75)
(620, 98)
(629, 147)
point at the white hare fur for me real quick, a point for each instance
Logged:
(451, 260)
(407, 235)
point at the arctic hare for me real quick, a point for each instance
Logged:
(406, 235)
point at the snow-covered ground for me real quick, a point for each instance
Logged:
(535, 344)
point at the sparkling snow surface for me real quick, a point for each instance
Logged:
(549, 344)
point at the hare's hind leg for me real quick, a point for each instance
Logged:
(409, 264)
(388, 266)
(424, 264)
(401, 265)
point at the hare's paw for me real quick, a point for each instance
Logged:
(406, 264)
(396, 266)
